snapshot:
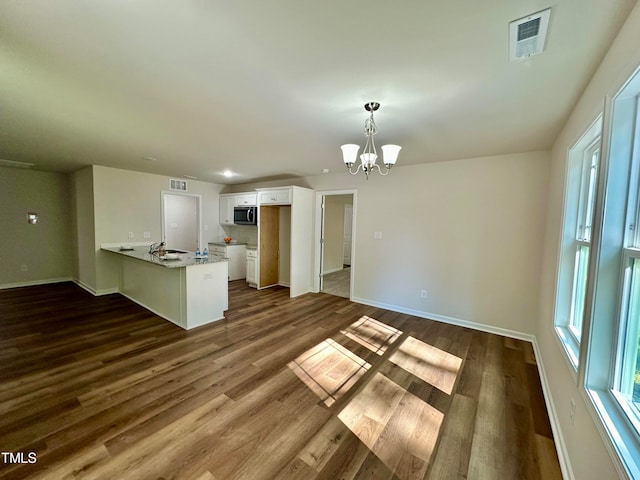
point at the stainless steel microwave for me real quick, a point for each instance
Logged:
(245, 215)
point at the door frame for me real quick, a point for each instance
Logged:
(198, 197)
(319, 219)
(344, 216)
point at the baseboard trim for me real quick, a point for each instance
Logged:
(155, 312)
(333, 270)
(93, 291)
(558, 438)
(561, 447)
(152, 310)
(34, 283)
(450, 320)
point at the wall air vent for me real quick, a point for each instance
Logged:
(527, 35)
(180, 185)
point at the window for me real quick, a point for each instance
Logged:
(626, 382)
(589, 174)
(612, 291)
(577, 229)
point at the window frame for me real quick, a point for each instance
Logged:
(576, 234)
(608, 286)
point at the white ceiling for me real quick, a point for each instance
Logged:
(272, 89)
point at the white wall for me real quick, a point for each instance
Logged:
(587, 451)
(46, 247)
(84, 271)
(469, 232)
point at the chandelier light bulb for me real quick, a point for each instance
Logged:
(350, 153)
(390, 154)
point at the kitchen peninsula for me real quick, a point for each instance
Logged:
(185, 290)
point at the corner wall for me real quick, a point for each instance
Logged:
(84, 265)
(44, 248)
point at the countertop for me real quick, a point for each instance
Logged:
(184, 259)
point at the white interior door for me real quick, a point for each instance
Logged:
(181, 221)
(348, 226)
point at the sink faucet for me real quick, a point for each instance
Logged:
(154, 248)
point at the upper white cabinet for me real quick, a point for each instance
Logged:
(246, 199)
(230, 200)
(227, 202)
(275, 197)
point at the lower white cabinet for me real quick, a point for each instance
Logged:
(252, 266)
(236, 255)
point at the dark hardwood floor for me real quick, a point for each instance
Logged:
(314, 387)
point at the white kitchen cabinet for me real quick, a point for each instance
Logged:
(252, 264)
(275, 197)
(285, 239)
(246, 199)
(236, 255)
(227, 202)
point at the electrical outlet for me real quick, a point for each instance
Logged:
(377, 235)
(23, 268)
(423, 294)
(130, 235)
(146, 235)
(206, 228)
(207, 276)
(572, 411)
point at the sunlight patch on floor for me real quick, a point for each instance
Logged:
(372, 334)
(398, 427)
(430, 364)
(329, 370)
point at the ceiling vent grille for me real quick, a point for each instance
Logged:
(179, 185)
(527, 35)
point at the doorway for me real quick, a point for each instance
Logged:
(336, 238)
(181, 221)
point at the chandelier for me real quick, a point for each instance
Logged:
(369, 155)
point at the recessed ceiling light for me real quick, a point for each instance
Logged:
(228, 173)
(325, 170)
(150, 159)
(13, 163)
(190, 177)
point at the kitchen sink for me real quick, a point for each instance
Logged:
(169, 250)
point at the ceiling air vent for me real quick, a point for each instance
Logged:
(527, 35)
(180, 185)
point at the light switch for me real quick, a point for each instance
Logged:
(32, 218)
(377, 235)
(146, 235)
